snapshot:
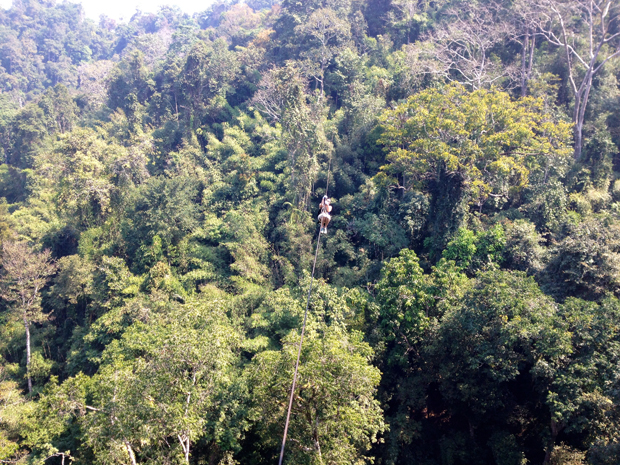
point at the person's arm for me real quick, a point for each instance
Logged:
(329, 208)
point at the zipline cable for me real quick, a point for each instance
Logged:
(303, 330)
(329, 170)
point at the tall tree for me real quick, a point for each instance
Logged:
(209, 71)
(521, 30)
(462, 48)
(471, 146)
(282, 97)
(325, 33)
(25, 272)
(587, 32)
(335, 416)
(168, 384)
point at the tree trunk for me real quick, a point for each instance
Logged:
(578, 134)
(578, 123)
(555, 430)
(523, 65)
(529, 44)
(132, 456)
(27, 327)
(581, 102)
(315, 438)
(184, 441)
(446, 211)
(578, 119)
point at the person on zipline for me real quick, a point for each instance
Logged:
(324, 216)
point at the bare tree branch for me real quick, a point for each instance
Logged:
(461, 49)
(24, 273)
(582, 29)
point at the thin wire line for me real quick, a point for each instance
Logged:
(329, 170)
(303, 330)
(301, 340)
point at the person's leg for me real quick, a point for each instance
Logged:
(323, 220)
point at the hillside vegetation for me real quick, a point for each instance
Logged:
(159, 188)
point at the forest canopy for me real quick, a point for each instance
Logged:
(159, 186)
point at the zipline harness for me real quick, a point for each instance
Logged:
(303, 330)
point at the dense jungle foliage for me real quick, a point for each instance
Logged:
(159, 189)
